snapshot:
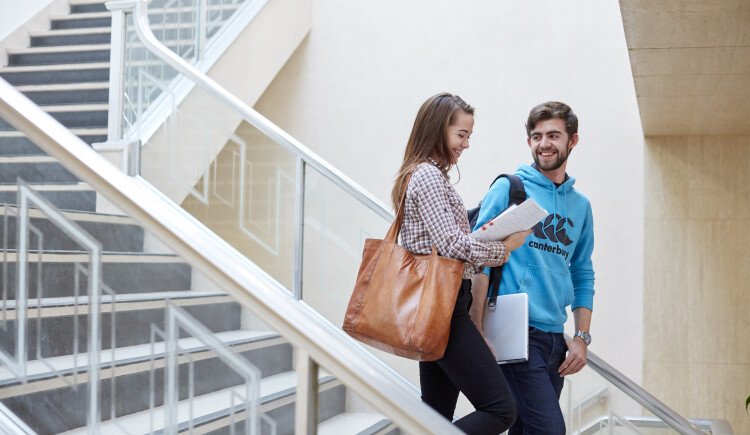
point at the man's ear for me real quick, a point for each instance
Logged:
(573, 141)
(528, 141)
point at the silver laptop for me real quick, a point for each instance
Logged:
(506, 326)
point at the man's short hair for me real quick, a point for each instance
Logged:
(553, 109)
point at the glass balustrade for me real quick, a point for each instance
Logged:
(188, 28)
(104, 329)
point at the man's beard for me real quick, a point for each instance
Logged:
(552, 165)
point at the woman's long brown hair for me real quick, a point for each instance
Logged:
(429, 139)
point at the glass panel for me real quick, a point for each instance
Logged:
(88, 294)
(186, 27)
(593, 405)
(222, 170)
(336, 226)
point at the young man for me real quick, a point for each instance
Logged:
(553, 267)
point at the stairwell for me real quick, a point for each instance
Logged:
(65, 71)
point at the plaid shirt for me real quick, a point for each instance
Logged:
(435, 215)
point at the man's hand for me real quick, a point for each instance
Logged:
(576, 359)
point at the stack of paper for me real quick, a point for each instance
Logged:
(512, 220)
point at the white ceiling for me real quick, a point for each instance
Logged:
(691, 65)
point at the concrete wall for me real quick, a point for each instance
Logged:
(696, 299)
(353, 87)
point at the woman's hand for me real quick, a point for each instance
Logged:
(515, 240)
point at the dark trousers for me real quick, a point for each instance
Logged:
(536, 385)
(468, 366)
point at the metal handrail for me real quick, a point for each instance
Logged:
(149, 40)
(643, 397)
(328, 345)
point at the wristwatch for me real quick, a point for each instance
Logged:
(584, 335)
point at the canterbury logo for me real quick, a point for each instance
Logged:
(554, 232)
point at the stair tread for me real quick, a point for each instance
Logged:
(67, 364)
(205, 406)
(59, 49)
(62, 87)
(80, 131)
(54, 67)
(60, 32)
(50, 187)
(77, 216)
(351, 422)
(67, 301)
(106, 257)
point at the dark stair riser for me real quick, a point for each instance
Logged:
(83, 75)
(104, 37)
(72, 96)
(73, 119)
(64, 200)
(82, 23)
(23, 146)
(112, 237)
(64, 409)
(36, 172)
(88, 8)
(58, 279)
(131, 328)
(55, 58)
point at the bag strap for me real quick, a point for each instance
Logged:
(395, 228)
(517, 195)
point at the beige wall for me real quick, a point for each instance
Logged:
(353, 87)
(696, 298)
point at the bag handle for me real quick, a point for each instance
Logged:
(395, 229)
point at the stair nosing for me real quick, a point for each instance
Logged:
(54, 67)
(61, 87)
(58, 49)
(80, 131)
(68, 365)
(65, 32)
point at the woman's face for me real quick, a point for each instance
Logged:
(459, 133)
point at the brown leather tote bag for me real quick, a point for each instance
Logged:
(402, 303)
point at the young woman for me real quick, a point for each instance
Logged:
(434, 214)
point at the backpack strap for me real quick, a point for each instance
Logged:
(517, 195)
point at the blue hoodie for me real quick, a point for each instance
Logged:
(554, 265)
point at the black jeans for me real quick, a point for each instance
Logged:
(468, 366)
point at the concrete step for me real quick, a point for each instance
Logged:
(51, 329)
(59, 37)
(124, 273)
(69, 93)
(210, 412)
(73, 197)
(44, 411)
(82, 20)
(74, 116)
(34, 169)
(360, 423)
(85, 6)
(50, 74)
(58, 55)
(114, 233)
(15, 143)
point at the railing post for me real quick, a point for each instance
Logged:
(115, 143)
(119, 10)
(299, 227)
(306, 406)
(202, 28)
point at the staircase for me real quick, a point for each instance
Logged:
(65, 71)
